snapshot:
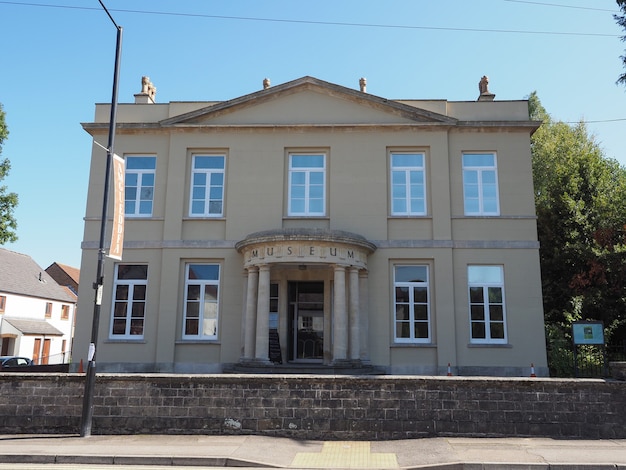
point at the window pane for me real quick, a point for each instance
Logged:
(130, 180)
(307, 161)
(120, 309)
(471, 206)
(145, 207)
(197, 207)
(497, 330)
(140, 163)
(210, 293)
(119, 327)
(399, 206)
(407, 160)
(316, 192)
(213, 162)
(421, 330)
(193, 292)
(121, 292)
(485, 160)
(136, 327)
(417, 206)
(298, 177)
(403, 330)
(191, 326)
(217, 179)
(420, 294)
(421, 312)
(470, 177)
(417, 177)
(478, 331)
(215, 192)
(490, 206)
(316, 206)
(193, 310)
(199, 179)
(398, 177)
(477, 312)
(402, 312)
(210, 328)
(132, 271)
(411, 274)
(297, 206)
(146, 193)
(204, 271)
(402, 294)
(476, 295)
(496, 313)
(495, 294)
(316, 177)
(138, 310)
(215, 207)
(485, 274)
(139, 292)
(199, 192)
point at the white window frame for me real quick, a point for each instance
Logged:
(131, 302)
(210, 188)
(474, 281)
(142, 189)
(411, 303)
(481, 173)
(307, 186)
(407, 172)
(202, 302)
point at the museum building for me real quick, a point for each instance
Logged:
(317, 228)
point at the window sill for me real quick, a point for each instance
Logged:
(402, 217)
(490, 345)
(413, 345)
(306, 217)
(126, 340)
(204, 218)
(197, 341)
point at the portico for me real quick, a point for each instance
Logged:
(308, 285)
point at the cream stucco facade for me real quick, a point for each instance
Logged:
(319, 226)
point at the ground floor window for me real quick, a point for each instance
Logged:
(201, 301)
(486, 304)
(129, 301)
(412, 304)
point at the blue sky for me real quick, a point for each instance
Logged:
(57, 62)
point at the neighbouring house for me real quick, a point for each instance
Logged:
(65, 275)
(36, 314)
(316, 226)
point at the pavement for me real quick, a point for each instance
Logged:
(442, 453)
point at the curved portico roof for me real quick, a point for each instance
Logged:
(306, 234)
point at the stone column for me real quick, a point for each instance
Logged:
(262, 315)
(340, 330)
(250, 320)
(355, 324)
(364, 316)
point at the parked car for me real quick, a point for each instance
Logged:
(14, 361)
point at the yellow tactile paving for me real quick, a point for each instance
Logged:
(345, 454)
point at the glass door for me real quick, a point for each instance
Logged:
(306, 311)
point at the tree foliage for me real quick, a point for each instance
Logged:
(8, 200)
(621, 20)
(581, 214)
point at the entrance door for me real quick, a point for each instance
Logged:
(306, 321)
(36, 350)
(46, 351)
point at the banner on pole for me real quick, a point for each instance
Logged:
(117, 235)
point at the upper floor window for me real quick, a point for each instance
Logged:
(139, 190)
(65, 312)
(207, 186)
(408, 188)
(48, 311)
(3, 303)
(412, 304)
(307, 185)
(201, 301)
(486, 304)
(129, 301)
(480, 184)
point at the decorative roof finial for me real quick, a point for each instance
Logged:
(363, 84)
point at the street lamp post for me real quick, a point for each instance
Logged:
(90, 378)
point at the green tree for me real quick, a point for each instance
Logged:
(8, 201)
(621, 20)
(580, 199)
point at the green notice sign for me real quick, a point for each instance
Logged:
(588, 332)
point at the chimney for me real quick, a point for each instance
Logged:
(147, 94)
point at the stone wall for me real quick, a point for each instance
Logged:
(316, 407)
